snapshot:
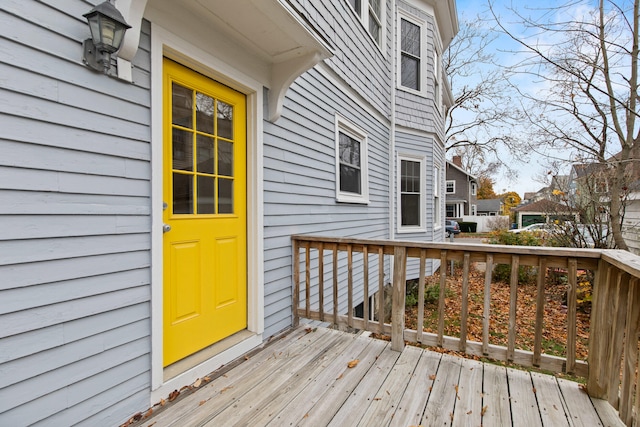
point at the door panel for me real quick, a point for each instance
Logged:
(205, 285)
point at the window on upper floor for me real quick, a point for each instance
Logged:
(370, 13)
(410, 54)
(351, 163)
(451, 187)
(412, 193)
(474, 189)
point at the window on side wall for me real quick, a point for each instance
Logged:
(351, 163)
(411, 193)
(451, 187)
(411, 62)
(474, 189)
(370, 13)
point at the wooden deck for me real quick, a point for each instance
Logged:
(304, 378)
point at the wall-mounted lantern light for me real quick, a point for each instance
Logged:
(107, 32)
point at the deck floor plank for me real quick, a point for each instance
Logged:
(304, 379)
(356, 405)
(582, 412)
(383, 406)
(259, 378)
(261, 404)
(496, 408)
(524, 407)
(338, 390)
(263, 360)
(442, 400)
(468, 410)
(302, 394)
(550, 404)
(411, 407)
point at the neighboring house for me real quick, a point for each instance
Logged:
(147, 214)
(489, 207)
(461, 190)
(543, 211)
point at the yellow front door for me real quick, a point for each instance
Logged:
(205, 285)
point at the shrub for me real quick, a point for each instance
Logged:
(502, 272)
(498, 223)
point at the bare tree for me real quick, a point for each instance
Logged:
(479, 124)
(586, 99)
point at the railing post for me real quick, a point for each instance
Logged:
(296, 281)
(398, 297)
(599, 333)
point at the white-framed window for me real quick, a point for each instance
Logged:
(474, 210)
(474, 188)
(411, 193)
(352, 178)
(370, 13)
(436, 198)
(451, 186)
(411, 62)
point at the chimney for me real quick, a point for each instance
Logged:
(457, 160)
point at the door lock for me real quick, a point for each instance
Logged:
(165, 228)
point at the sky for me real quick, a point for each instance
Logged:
(531, 170)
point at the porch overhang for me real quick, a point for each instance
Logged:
(272, 31)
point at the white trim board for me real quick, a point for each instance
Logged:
(166, 43)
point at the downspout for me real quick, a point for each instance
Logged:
(392, 135)
(392, 131)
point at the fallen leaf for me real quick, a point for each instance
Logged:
(377, 398)
(207, 379)
(451, 415)
(226, 388)
(340, 377)
(534, 390)
(582, 387)
(173, 395)
(246, 358)
(202, 402)
(197, 383)
(353, 363)
(470, 412)
(148, 413)
(432, 377)
(306, 415)
(137, 417)
(484, 410)
(163, 402)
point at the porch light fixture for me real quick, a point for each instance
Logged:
(107, 32)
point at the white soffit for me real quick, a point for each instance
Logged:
(273, 31)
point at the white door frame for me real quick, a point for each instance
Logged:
(166, 43)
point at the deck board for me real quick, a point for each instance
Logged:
(304, 379)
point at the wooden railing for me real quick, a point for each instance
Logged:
(358, 266)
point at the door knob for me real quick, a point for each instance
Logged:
(165, 228)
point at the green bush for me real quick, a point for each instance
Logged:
(468, 227)
(431, 293)
(502, 272)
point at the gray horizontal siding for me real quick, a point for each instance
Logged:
(419, 111)
(74, 224)
(358, 61)
(300, 195)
